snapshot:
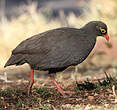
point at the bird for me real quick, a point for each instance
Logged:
(57, 49)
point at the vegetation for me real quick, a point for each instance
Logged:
(98, 94)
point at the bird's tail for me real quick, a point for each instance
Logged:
(14, 60)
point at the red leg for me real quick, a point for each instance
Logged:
(59, 88)
(31, 82)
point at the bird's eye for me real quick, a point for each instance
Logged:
(103, 31)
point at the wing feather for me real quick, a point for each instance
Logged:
(56, 48)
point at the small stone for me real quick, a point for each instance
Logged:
(90, 97)
(2, 98)
(96, 94)
(106, 105)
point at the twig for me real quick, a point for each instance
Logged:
(113, 89)
(106, 75)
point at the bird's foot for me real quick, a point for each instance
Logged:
(29, 91)
(30, 87)
(57, 87)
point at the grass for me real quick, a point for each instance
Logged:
(32, 23)
(16, 30)
(45, 107)
(105, 84)
(17, 98)
(87, 94)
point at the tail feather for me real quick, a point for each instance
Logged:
(14, 60)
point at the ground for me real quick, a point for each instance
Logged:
(98, 94)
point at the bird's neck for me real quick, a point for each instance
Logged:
(91, 34)
(90, 29)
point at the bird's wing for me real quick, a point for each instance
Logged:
(40, 42)
(56, 48)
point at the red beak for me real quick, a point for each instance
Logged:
(107, 37)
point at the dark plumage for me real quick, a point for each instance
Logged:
(57, 49)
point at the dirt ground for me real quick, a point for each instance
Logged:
(98, 94)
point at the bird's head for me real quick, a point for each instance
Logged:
(98, 28)
(101, 29)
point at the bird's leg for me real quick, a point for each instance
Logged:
(31, 81)
(58, 87)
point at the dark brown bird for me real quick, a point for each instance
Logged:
(57, 49)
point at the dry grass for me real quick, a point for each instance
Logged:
(16, 30)
(28, 24)
(99, 10)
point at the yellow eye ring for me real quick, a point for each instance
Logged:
(103, 30)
